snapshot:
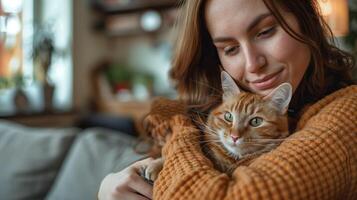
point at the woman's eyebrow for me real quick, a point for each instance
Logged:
(257, 20)
(254, 23)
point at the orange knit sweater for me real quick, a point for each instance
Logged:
(318, 161)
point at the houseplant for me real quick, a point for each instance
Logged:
(43, 52)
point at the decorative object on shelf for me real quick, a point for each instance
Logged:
(127, 84)
(21, 101)
(150, 21)
(43, 52)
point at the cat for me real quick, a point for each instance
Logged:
(244, 125)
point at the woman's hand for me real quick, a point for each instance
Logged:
(127, 184)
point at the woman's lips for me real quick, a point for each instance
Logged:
(266, 82)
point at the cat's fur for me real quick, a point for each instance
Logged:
(217, 142)
(245, 124)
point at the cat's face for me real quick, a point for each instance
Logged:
(246, 123)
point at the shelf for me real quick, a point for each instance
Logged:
(126, 17)
(132, 6)
(45, 119)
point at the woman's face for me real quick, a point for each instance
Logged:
(253, 48)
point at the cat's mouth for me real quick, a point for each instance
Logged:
(239, 148)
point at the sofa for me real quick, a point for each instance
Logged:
(59, 163)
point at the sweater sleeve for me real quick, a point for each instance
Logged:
(316, 162)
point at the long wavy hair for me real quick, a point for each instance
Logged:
(196, 66)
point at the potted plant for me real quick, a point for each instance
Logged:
(43, 51)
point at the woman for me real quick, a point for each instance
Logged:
(261, 44)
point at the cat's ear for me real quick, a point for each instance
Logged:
(229, 87)
(280, 97)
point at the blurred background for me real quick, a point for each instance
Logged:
(76, 78)
(64, 59)
(64, 62)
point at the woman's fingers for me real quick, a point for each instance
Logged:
(134, 196)
(126, 184)
(142, 163)
(139, 184)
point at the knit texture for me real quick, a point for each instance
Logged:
(156, 123)
(318, 161)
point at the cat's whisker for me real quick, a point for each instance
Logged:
(212, 133)
(283, 139)
(205, 127)
(261, 145)
(200, 113)
(209, 141)
(209, 86)
(210, 130)
(198, 122)
(261, 142)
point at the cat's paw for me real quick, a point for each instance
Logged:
(151, 172)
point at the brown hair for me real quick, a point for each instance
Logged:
(196, 64)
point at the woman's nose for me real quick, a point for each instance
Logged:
(254, 60)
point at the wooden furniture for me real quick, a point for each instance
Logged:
(45, 119)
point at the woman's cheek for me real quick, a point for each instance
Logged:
(233, 67)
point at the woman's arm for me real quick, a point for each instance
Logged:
(317, 162)
(126, 184)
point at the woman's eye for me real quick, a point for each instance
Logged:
(228, 117)
(256, 121)
(231, 50)
(266, 32)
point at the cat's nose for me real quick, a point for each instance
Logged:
(234, 138)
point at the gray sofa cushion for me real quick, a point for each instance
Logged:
(94, 154)
(30, 159)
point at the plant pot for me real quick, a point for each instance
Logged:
(48, 92)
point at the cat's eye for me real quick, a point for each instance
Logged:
(228, 117)
(256, 121)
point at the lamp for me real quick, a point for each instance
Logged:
(335, 13)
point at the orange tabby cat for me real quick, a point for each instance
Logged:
(245, 124)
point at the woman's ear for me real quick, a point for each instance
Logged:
(280, 97)
(229, 87)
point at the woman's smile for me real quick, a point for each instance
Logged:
(266, 82)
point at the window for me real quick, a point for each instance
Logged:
(35, 51)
